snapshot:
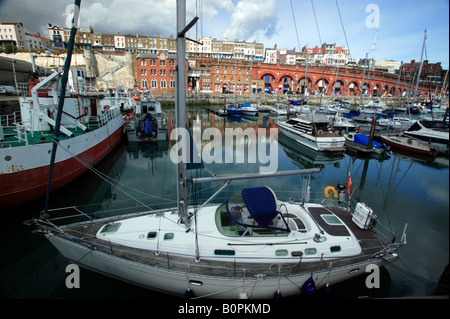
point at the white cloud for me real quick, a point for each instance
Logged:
(252, 17)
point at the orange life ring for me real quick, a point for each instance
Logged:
(106, 108)
(328, 189)
(86, 110)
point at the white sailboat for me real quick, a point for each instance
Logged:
(250, 246)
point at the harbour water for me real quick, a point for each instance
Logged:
(399, 189)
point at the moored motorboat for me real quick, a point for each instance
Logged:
(248, 109)
(148, 122)
(408, 144)
(432, 132)
(358, 144)
(312, 131)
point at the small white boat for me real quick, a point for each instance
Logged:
(278, 109)
(248, 109)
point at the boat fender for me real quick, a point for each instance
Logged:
(277, 294)
(327, 190)
(86, 110)
(243, 295)
(309, 287)
(189, 293)
(106, 108)
(326, 290)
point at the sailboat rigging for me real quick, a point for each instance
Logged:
(250, 246)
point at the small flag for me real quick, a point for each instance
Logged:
(349, 183)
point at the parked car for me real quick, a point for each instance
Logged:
(227, 92)
(6, 89)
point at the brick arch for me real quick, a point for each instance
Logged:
(284, 85)
(353, 88)
(340, 89)
(377, 88)
(366, 87)
(301, 80)
(272, 85)
(322, 84)
(393, 91)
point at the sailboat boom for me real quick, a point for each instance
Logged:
(253, 176)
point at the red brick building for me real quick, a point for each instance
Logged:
(155, 72)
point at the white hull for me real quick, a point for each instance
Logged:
(315, 143)
(251, 113)
(176, 283)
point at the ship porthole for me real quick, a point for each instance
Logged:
(8, 158)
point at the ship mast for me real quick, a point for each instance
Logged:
(62, 94)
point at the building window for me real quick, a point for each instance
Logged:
(163, 84)
(154, 84)
(144, 83)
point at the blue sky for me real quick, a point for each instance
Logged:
(399, 37)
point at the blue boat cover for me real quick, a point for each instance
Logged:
(364, 140)
(298, 102)
(148, 129)
(261, 204)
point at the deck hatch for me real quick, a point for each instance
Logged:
(110, 228)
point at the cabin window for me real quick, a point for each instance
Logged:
(168, 236)
(335, 249)
(152, 235)
(310, 251)
(110, 228)
(281, 252)
(224, 252)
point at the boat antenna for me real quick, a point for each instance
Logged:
(62, 94)
(180, 106)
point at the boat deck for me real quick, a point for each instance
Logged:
(9, 137)
(85, 234)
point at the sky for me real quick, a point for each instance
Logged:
(383, 29)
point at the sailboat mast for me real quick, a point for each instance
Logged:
(180, 108)
(420, 67)
(62, 94)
